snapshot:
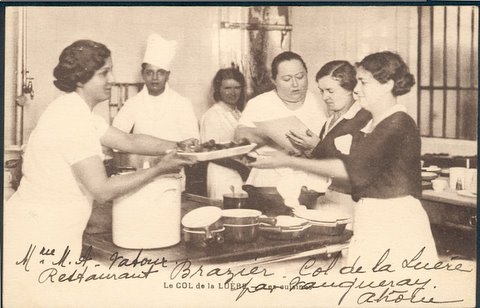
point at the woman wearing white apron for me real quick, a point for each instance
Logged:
(63, 170)
(219, 123)
(382, 162)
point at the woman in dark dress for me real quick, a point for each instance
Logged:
(336, 81)
(382, 163)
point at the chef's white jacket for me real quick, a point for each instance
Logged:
(168, 116)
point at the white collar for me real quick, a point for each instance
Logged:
(395, 108)
(350, 114)
(352, 111)
(227, 107)
(146, 94)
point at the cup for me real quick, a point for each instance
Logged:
(457, 174)
(439, 185)
(235, 201)
(471, 180)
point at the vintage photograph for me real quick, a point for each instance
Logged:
(240, 156)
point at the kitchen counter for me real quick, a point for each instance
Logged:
(449, 196)
(262, 249)
(453, 220)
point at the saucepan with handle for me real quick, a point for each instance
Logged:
(203, 227)
(242, 225)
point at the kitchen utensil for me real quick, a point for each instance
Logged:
(286, 228)
(439, 185)
(241, 225)
(203, 238)
(326, 220)
(309, 197)
(150, 216)
(432, 168)
(212, 155)
(428, 176)
(235, 201)
(202, 227)
(457, 174)
(267, 200)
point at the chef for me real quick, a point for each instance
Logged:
(158, 110)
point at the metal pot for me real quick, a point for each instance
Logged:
(203, 227)
(329, 228)
(241, 225)
(235, 201)
(203, 237)
(286, 228)
(266, 200)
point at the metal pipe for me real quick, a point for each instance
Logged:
(21, 76)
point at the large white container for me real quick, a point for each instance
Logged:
(150, 216)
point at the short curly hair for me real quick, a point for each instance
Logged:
(342, 71)
(78, 62)
(285, 56)
(229, 73)
(385, 66)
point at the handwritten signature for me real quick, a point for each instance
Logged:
(374, 291)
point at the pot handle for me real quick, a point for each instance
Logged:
(219, 238)
(343, 221)
(248, 187)
(267, 220)
(208, 234)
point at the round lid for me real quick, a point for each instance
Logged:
(202, 217)
(324, 214)
(289, 221)
(241, 213)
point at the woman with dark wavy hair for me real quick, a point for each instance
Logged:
(382, 163)
(336, 81)
(219, 123)
(63, 170)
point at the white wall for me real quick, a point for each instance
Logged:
(124, 30)
(320, 34)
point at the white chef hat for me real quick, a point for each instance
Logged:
(160, 52)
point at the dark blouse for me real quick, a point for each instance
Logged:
(326, 147)
(386, 162)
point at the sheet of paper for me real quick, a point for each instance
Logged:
(278, 128)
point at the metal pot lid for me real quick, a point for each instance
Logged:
(186, 230)
(328, 214)
(202, 217)
(240, 213)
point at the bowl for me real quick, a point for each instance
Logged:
(428, 176)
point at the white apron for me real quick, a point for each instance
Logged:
(399, 224)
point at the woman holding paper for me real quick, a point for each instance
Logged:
(382, 162)
(290, 98)
(219, 123)
(336, 81)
